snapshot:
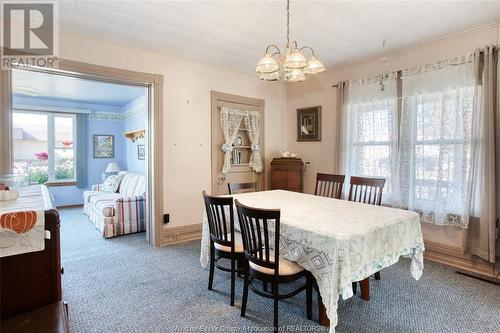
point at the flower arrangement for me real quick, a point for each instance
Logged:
(42, 156)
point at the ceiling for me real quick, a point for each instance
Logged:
(36, 84)
(234, 34)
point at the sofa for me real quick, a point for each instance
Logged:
(119, 213)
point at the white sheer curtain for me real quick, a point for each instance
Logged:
(230, 121)
(436, 142)
(370, 130)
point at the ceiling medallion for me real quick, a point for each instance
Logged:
(292, 65)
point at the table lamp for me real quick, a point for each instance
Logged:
(111, 169)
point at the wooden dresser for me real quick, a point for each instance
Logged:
(32, 280)
(287, 174)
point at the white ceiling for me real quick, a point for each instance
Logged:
(66, 88)
(234, 34)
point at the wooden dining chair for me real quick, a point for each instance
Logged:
(225, 242)
(260, 230)
(368, 191)
(235, 188)
(328, 185)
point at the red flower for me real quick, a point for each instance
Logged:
(42, 156)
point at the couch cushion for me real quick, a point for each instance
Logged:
(88, 194)
(104, 197)
(111, 184)
(133, 185)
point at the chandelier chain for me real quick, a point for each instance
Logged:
(288, 23)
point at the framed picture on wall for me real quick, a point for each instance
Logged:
(104, 146)
(309, 124)
(141, 152)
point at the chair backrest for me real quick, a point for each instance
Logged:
(260, 232)
(329, 185)
(238, 187)
(220, 215)
(366, 190)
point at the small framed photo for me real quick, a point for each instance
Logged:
(309, 124)
(141, 152)
(104, 146)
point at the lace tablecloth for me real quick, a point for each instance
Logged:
(338, 241)
(22, 222)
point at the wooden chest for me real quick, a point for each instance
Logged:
(287, 174)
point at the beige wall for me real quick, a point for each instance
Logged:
(186, 110)
(318, 91)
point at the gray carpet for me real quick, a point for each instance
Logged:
(124, 285)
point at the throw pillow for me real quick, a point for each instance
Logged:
(111, 183)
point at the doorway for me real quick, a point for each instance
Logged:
(143, 141)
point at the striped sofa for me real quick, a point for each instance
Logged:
(119, 213)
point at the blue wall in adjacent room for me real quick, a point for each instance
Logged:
(136, 121)
(125, 149)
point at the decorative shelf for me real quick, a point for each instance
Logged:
(134, 135)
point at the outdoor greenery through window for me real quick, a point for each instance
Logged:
(44, 146)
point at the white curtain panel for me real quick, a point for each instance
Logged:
(252, 121)
(230, 121)
(436, 141)
(370, 129)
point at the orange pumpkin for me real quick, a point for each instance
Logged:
(20, 222)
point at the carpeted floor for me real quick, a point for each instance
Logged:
(125, 285)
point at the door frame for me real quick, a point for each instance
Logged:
(154, 84)
(219, 99)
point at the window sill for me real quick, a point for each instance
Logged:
(63, 183)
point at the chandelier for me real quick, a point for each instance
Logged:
(292, 65)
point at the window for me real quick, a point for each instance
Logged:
(424, 147)
(44, 146)
(372, 133)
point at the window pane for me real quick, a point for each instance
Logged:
(63, 130)
(30, 150)
(64, 164)
(374, 122)
(373, 161)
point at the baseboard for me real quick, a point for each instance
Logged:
(464, 263)
(70, 206)
(181, 234)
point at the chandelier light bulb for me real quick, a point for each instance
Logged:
(314, 66)
(294, 65)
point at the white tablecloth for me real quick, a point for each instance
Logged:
(338, 241)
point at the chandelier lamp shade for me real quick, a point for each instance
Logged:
(291, 65)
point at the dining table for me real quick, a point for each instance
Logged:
(338, 241)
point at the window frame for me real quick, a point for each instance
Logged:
(51, 144)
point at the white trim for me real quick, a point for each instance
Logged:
(23, 107)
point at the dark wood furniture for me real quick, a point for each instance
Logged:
(262, 251)
(224, 241)
(239, 187)
(51, 318)
(32, 280)
(328, 185)
(366, 190)
(369, 191)
(287, 174)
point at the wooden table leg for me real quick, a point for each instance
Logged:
(365, 289)
(323, 318)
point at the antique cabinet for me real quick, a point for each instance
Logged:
(287, 174)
